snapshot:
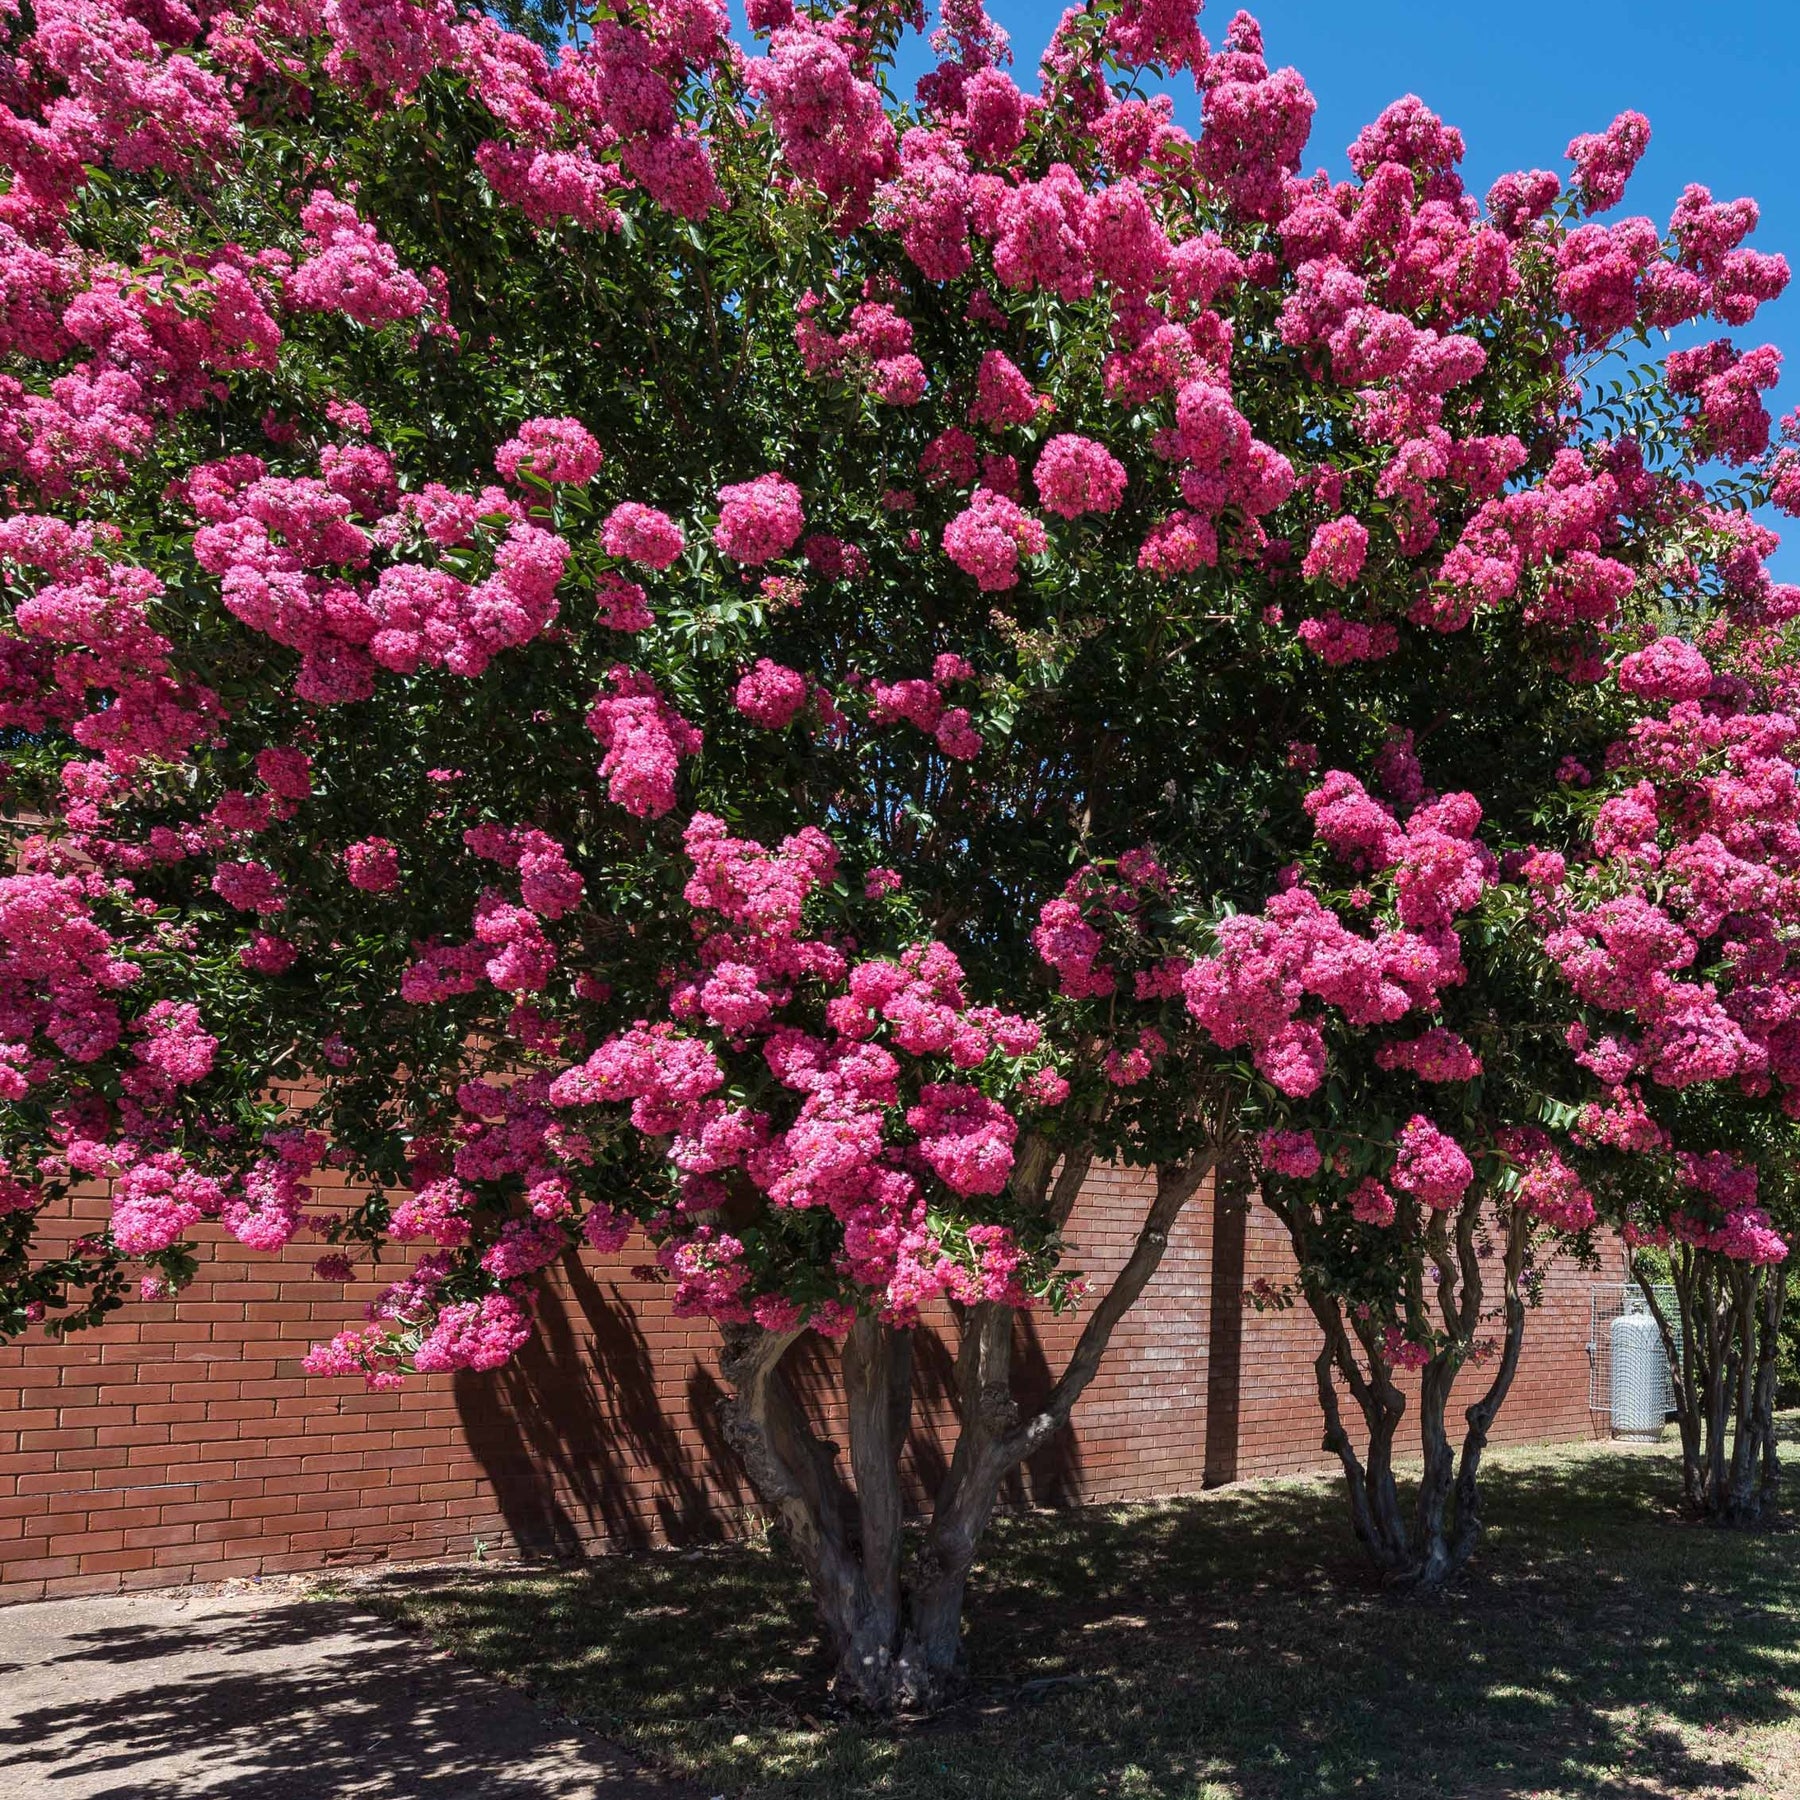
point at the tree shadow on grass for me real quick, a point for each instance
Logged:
(1598, 1648)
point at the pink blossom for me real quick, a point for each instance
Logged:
(373, 865)
(1668, 669)
(158, 1200)
(1003, 396)
(474, 1334)
(644, 739)
(1430, 1165)
(1075, 475)
(437, 1211)
(831, 124)
(559, 451)
(622, 605)
(1371, 1203)
(250, 886)
(1178, 545)
(348, 269)
(1291, 1153)
(770, 695)
(1040, 240)
(1336, 640)
(642, 534)
(1604, 161)
(1337, 552)
(966, 1138)
(523, 1247)
(759, 520)
(1552, 1191)
(1436, 1055)
(988, 537)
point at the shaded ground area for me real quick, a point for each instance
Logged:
(265, 1696)
(1229, 1645)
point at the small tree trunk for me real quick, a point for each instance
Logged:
(994, 1439)
(1768, 1375)
(1718, 1386)
(1725, 1379)
(1743, 1500)
(1375, 1513)
(1430, 1565)
(1480, 1417)
(1446, 1523)
(848, 1545)
(1445, 1536)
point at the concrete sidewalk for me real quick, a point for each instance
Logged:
(271, 1696)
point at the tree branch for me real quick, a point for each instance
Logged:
(1176, 1184)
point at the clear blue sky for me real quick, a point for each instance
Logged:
(1719, 82)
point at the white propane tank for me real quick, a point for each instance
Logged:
(1639, 1377)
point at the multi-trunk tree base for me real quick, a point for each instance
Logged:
(1724, 1366)
(1422, 1553)
(892, 1624)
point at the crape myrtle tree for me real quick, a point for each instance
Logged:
(646, 640)
(1614, 657)
(1622, 1051)
(1723, 1336)
(1671, 936)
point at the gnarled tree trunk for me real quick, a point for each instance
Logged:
(1723, 1372)
(1420, 1554)
(893, 1628)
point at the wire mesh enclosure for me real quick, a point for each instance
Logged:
(1629, 1381)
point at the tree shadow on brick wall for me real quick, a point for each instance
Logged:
(1053, 1477)
(581, 1447)
(574, 1438)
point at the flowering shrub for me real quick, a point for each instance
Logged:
(678, 648)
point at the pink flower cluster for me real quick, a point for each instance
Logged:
(348, 269)
(1338, 549)
(293, 562)
(642, 534)
(876, 350)
(1250, 992)
(987, 539)
(771, 695)
(759, 520)
(372, 865)
(1076, 475)
(920, 701)
(833, 1144)
(831, 124)
(1294, 1154)
(644, 738)
(561, 452)
(1430, 1165)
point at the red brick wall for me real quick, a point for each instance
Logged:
(182, 1442)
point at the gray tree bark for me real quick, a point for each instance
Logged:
(1723, 1372)
(893, 1627)
(1425, 1552)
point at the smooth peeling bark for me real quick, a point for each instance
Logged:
(1724, 1371)
(1423, 1553)
(1447, 1517)
(893, 1630)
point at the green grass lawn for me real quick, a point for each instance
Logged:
(1227, 1645)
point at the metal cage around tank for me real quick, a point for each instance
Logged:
(1630, 1383)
